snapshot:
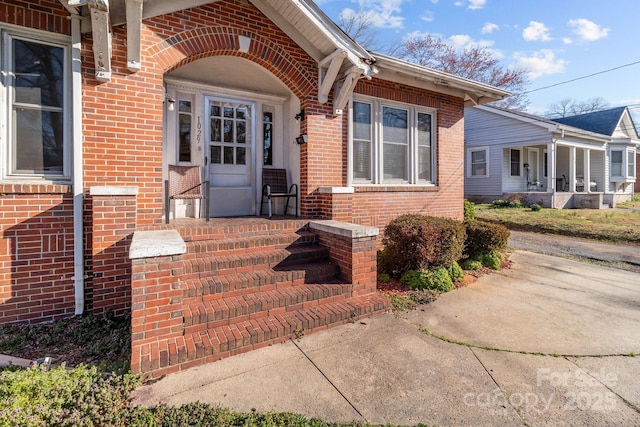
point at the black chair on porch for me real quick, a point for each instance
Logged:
(275, 185)
(185, 182)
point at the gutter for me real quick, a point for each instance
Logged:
(77, 165)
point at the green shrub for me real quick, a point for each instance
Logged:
(483, 237)
(413, 279)
(471, 264)
(77, 397)
(414, 242)
(535, 207)
(455, 272)
(506, 204)
(384, 278)
(491, 260)
(439, 280)
(469, 210)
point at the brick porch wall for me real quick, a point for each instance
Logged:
(36, 220)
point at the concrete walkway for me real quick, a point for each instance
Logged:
(549, 341)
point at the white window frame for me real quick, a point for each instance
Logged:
(631, 164)
(470, 152)
(622, 162)
(377, 144)
(7, 132)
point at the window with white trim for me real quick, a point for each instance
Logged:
(478, 162)
(392, 143)
(616, 162)
(631, 164)
(515, 162)
(35, 142)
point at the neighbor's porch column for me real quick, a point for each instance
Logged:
(551, 168)
(572, 169)
(587, 170)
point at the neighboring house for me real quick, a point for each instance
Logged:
(100, 97)
(558, 165)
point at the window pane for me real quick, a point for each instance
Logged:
(184, 106)
(630, 164)
(216, 130)
(361, 159)
(479, 169)
(616, 163)
(228, 155)
(216, 154)
(228, 131)
(241, 132)
(39, 141)
(478, 156)
(241, 113)
(424, 129)
(394, 122)
(241, 156)
(228, 112)
(395, 161)
(361, 121)
(267, 150)
(39, 73)
(215, 110)
(184, 136)
(424, 163)
(515, 163)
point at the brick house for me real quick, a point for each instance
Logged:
(98, 97)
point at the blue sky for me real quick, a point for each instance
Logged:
(554, 40)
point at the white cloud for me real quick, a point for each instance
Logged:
(463, 41)
(458, 3)
(536, 31)
(489, 28)
(541, 63)
(587, 30)
(427, 16)
(567, 40)
(477, 4)
(383, 13)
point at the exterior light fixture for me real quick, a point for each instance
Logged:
(302, 139)
(300, 115)
(170, 103)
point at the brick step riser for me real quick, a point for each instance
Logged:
(218, 286)
(253, 244)
(245, 262)
(213, 232)
(203, 316)
(214, 344)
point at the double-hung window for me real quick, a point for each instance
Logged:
(631, 164)
(392, 143)
(478, 162)
(35, 116)
(515, 162)
(616, 162)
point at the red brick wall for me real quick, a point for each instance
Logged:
(36, 248)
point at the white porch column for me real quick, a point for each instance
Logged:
(587, 170)
(572, 169)
(551, 168)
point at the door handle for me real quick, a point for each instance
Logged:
(206, 160)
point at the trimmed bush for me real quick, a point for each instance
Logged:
(413, 279)
(439, 280)
(415, 242)
(469, 210)
(455, 272)
(483, 237)
(491, 260)
(535, 207)
(471, 264)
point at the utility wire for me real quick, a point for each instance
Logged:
(579, 78)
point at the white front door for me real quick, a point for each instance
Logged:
(230, 156)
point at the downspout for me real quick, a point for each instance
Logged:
(77, 167)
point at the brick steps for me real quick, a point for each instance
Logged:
(210, 313)
(204, 346)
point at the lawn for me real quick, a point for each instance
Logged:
(612, 225)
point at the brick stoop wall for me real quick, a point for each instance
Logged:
(220, 289)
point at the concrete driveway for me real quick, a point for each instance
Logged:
(550, 341)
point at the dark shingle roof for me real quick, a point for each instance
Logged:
(603, 122)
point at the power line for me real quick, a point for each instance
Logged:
(580, 78)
